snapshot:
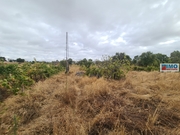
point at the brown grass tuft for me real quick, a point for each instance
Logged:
(145, 103)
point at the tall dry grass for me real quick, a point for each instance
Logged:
(145, 103)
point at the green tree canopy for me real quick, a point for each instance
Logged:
(70, 61)
(20, 60)
(162, 58)
(85, 62)
(175, 57)
(121, 56)
(2, 59)
(147, 59)
(136, 60)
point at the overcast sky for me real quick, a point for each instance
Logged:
(37, 28)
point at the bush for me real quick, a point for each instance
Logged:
(148, 68)
(138, 68)
(14, 77)
(110, 69)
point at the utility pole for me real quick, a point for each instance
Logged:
(67, 51)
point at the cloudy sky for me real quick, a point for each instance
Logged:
(37, 28)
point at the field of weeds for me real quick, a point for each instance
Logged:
(145, 103)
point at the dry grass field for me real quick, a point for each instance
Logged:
(145, 103)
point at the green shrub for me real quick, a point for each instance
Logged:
(148, 68)
(109, 68)
(14, 77)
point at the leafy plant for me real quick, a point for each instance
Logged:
(109, 68)
(16, 77)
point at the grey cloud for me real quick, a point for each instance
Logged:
(37, 28)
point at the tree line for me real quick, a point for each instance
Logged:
(147, 61)
(150, 59)
(12, 60)
(144, 60)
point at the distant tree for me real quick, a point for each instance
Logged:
(128, 58)
(63, 63)
(20, 60)
(150, 59)
(147, 59)
(70, 61)
(121, 56)
(90, 60)
(85, 62)
(2, 59)
(11, 60)
(136, 60)
(97, 62)
(175, 57)
(160, 58)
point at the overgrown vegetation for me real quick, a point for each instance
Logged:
(114, 66)
(148, 61)
(17, 77)
(110, 68)
(144, 103)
